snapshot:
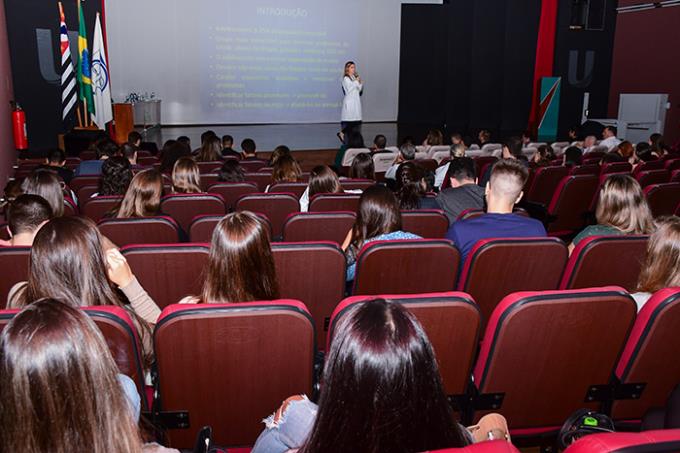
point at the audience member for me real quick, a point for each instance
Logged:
(379, 144)
(116, 177)
(589, 143)
(407, 152)
(378, 219)
(464, 192)
(249, 149)
(573, 134)
(184, 140)
(511, 150)
(611, 157)
(135, 139)
(25, 216)
(231, 171)
(362, 167)
(171, 152)
(661, 268)
(457, 139)
(228, 147)
(573, 156)
(658, 147)
(457, 150)
(240, 265)
(129, 152)
(434, 138)
(286, 169)
(412, 188)
(211, 150)
(205, 136)
(527, 138)
(621, 209)
(483, 137)
(543, 156)
(279, 151)
(321, 180)
(609, 139)
(186, 177)
(47, 185)
(56, 161)
(643, 152)
(627, 151)
(503, 191)
(143, 197)
(105, 148)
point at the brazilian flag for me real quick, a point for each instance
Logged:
(84, 69)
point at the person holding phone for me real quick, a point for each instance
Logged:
(350, 118)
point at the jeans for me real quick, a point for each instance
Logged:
(290, 431)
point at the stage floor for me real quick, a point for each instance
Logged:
(268, 136)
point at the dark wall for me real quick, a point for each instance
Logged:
(37, 91)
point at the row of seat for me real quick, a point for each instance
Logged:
(543, 355)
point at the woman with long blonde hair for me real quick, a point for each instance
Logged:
(186, 177)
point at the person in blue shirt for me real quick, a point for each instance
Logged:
(503, 191)
(105, 148)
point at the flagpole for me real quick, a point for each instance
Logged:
(80, 117)
(87, 116)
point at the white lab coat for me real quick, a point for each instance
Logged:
(351, 103)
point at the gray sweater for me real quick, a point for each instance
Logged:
(455, 200)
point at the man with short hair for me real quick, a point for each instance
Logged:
(228, 147)
(25, 216)
(105, 148)
(503, 191)
(609, 138)
(249, 149)
(379, 144)
(56, 161)
(183, 139)
(407, 152)
(135, 138)
(457, 150)
(464, 192)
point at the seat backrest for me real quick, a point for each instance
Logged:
(663, 199)
(649, 165)
(440, 156)
(490, 147)
(616, 167)
(543, 351)
(168, 272)
(98, 207)
(383, 161)
(426, 223)
(184, 207)
(296, 188)
(657, 441)
(451, 321)
(438, 149)
(202, 227)
(647, 356)
(232, 191)
(140, 230)
(649, 177)
(592, 169)
(671, 164)
(85, 193)
(79, 182)
(276, 206)
(571, 202)
(252, 356)
(252, 166)
(351, 153)
(356, 184)
(260, 179)
(482, 162)
(427, 164)
(14, 263)
(144, 161)
(545, 182)
(675, 175)
(334, 202)
(208, 167)
(313, 273)
(318, 226)
(209, 179)
(497, 267)
(604, 261)
(425, 265)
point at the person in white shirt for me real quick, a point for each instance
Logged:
(457, 150)
(352, 86)
(609, 138)
(406, 152)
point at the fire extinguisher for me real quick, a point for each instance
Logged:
(19, 127)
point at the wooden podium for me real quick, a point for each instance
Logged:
(123, 117)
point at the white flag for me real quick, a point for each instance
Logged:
(101, 87)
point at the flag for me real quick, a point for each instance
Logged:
(84, 76)
(69, 96)
(101, 87)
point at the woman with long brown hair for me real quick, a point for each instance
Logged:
(240, 265)
(661, 268)
(210, 151)
(322, 179)
(186, 177)
(362, 167)
(143, 197)
(47, 185)
(412, 188)
(286, 169)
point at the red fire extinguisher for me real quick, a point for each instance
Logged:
(19, 127)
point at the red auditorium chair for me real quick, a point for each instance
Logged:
(427, 164)
(650, 355)
(650, 165)
(592, 169)
(229, 365)
(649, 177)
(546, 181)
(232, 191)
(675, 176)
(296, 188)
(70, 207)
(98, 207)
(276, 206)
(672, 164)
(474, 213)
(14, 263)
(497, 267)
(426, 223)
(492, 446)
(451, 321)
(183, 207)
(140, 230)
(120, 335)
(658, 441)
(261, 180)
(79, 182)
(570, 203)
(202, 226)
(616, 167)
(146, 161)
(87, 155)
(85, 193)
(543, 354)
(482, 163)
(168, 272)
(591, 160)
(408, 266)
(604, 261)
(252, 166)
(663, 199)
(209, 167)
(318, 226)
(209, 179)
(334, 202)
(313, 273)
(356, 184)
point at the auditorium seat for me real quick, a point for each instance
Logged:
(168, 272)
(426, 223)
(252, 166)
(70, 207)
(545, 183)
(14, 263)
(334, 202)
(87, 155)
(451, 321)
(672, 164)
(140, 230)
(144, 161)
(649, 177)
(570, 203)
(482, 163)
(79, 182)
(276, 206)
(592, 169)
(497, 267)
(647, 166)
(351, 153)
(296, 188)
(232, 191)
(604, 261)
(435, 149)
(489, 148)
(543, 352)
(318, 226)
(99, 207)
(650, 355)
(657, 441)
(427, 164)
(383, 161)
(675, 176)
(663, 199)
(209, 179)
(408, 266)
(313, 273)
(86, 192)
(209, 167)
(356, 184)
(202, 226)
(260, 179)
(616, 167)
(183, 207)
(230, 365)
(591, 160)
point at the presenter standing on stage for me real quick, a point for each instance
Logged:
(350, 119)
